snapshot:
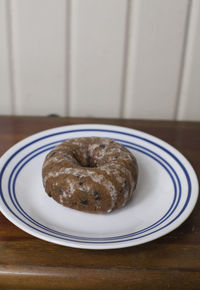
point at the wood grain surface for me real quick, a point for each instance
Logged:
(170, 262)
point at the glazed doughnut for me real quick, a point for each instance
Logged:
(90, 174)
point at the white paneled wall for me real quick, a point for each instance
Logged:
(100, 58)
(157, 31)
(98, 41)
(189, 102)
(39, 31)
(6, 105)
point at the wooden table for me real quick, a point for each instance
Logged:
(171, 262)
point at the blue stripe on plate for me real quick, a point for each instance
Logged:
(16, 203)
(166, 216)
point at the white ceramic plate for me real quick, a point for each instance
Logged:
(166, 193)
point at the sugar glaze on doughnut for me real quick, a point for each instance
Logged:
(90, 174)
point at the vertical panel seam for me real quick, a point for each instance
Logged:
(125, 59)
(11, 61)
(184, 62)
(128, 93)
(67, 56)
(71, 59)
